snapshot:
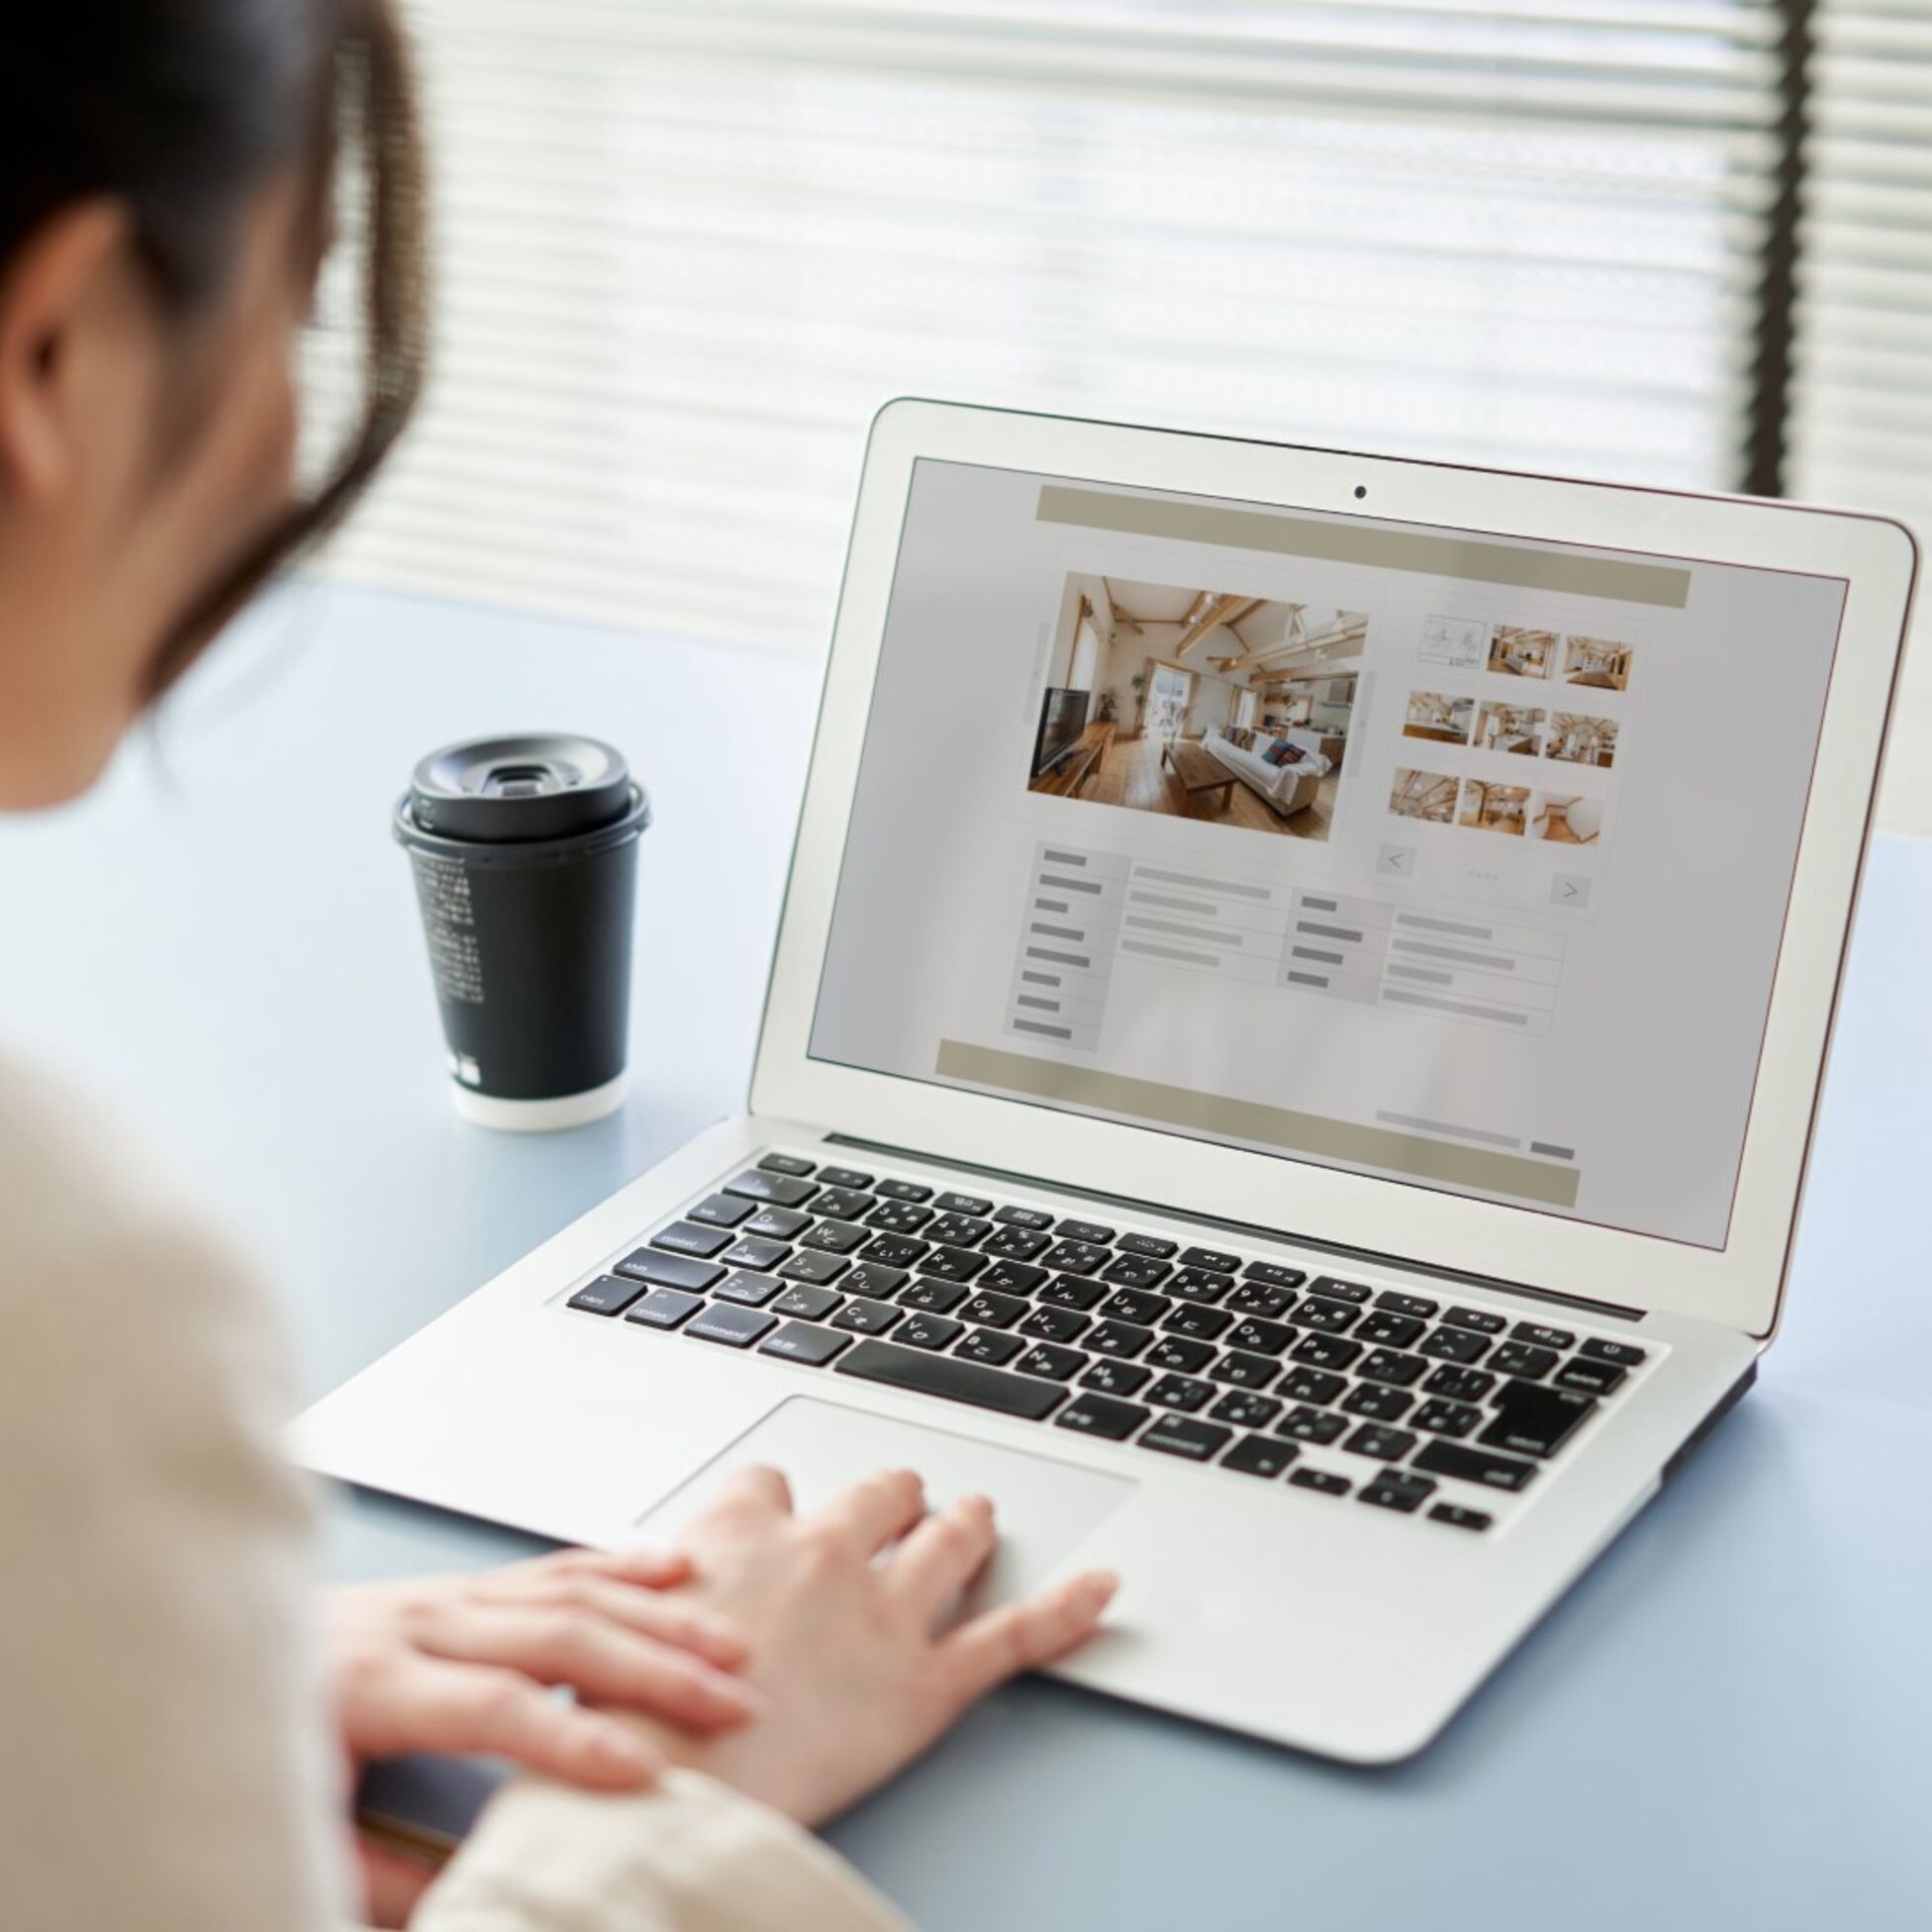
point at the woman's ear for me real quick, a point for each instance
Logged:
(61, 298)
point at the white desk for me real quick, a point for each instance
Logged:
(1726, 1723)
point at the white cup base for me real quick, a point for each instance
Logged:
(541, 1117)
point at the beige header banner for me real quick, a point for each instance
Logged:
(1421, 551)
(1220, 1119)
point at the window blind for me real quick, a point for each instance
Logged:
(687, 246)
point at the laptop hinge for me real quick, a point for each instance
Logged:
(1434, 1270)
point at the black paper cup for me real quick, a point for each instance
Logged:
(525, 851)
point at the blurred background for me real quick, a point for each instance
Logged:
(687, 246)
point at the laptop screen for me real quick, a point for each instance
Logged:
(1440, 857)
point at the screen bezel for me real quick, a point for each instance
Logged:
(1740, 1286)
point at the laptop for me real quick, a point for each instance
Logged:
(1289, 1059)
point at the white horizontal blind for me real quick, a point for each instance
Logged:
(688, 245)
(1862, 406)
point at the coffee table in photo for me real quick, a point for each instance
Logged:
(1197, 771)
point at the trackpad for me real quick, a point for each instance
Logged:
(1045, 1507)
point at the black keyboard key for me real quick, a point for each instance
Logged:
(1317, 1425)
(1406, 1303)
(1468, 1465)
(1059, 1364)
(1180, 1353)
(1338, 1290)
(1441, 1417)
(952, 1379)
(844, 1177)
(721, 1210)
(1534, 1420)
(959, 1231)
(1013, 1277)
(1188, 1319)
(895, 1250)
(748, 1287)
(1116, 1378)
(1056, 1324)
(1086, 1231)
(1122, 1338)
(952, 1264)
(1594, 1378)
(1136, 1305)
(1071, 1292)
(990, 1346)
(1480, 1320)
(1520, 1357)
(787, 1164)
(1377, 1401)
(1156, 1247)
(1537, 1334)
(1260, 1455)
(1626, 1355)
(993, 1310)
(1245, 1410)
(1245, 1371)
(929, 1331)
(1033, 1218)
(1323, 1482)
(1274, 1274)
(1311, 1385)
(1182, 1435)
(775, 1223)
(1460, 1518)
(1182, 1392)
(844, 1205)
(1390, 1365)
(1137, 1271)
(1460, 1385)
(754, 1251)
(870, 1277)
(774, 1190)
(1319, 1351)
(1383, 1327)
(1217, 1259)
(807, 1265)
(733, 1327)
(1394, 1491)
(1100, 1415)
(1074, 1257)
(1199, 1285)
(935, 1298)
(862, 1316)
(1453, 1346)
(1262, 1298)
(963, 1203)
(799, 1342)
(897, 1217)
(1330, 1318)
(1015, 1243)
(806, 1303)
(1385, 1445)
(607, 1295)
(687, 1237)
(835, 1237)
(914, 1191)
(1265, 1337)
(670, 1271)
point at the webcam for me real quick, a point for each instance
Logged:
(1361, 490)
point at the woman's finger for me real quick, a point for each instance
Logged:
(943, 1556)
(1027, 1635)
(876, 1511)
(755, 1493)
(600, 1659)
(472, 1711)
(647, 1569)
(669, 1619)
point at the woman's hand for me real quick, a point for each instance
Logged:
(461, 1665)
(855, 1682)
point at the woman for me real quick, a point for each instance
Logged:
(168, 176)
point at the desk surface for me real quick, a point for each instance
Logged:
(1724, 1723)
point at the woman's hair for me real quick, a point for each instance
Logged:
(184, 111)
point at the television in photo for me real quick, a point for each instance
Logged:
(1063, 717)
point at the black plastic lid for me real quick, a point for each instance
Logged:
(505, 791)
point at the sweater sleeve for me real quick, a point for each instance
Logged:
(688, 1856)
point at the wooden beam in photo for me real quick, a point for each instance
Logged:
(1222, 609)
(1353, 633)
(1125, 618)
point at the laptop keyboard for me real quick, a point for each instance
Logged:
(1441, 1410)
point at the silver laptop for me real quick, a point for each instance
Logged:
(1289, 1058)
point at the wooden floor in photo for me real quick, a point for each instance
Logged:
(1132, 775)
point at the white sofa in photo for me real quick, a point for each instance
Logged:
(1287, 788)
